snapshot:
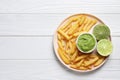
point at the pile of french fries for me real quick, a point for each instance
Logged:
(67, 34)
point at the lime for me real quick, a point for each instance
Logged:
(101, 31)
(104, 47)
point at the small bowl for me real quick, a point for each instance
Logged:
(89, 50)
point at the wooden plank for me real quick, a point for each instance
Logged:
(26, 3)
(37, 48)
(51, 69)
(55, 8)
(61, 6)
(46, 24)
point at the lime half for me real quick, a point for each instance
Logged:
(101, 31)
(104, 47)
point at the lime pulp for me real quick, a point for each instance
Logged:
(104, 47)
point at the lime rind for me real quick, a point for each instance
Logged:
(104, 47)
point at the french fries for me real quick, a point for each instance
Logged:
(99, 61)
(87, 63)
(63, 56)
(74, 56)
(80, 57)
(67, 50)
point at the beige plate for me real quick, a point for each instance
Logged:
(56, 46)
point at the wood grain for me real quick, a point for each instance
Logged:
(26, 34)
(46, 24)
(51, 69)
(61, 6)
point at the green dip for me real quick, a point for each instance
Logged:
(86, 42)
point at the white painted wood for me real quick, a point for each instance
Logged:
(61, 6)
(52, 70)
(26, 34)
(46, 24)
(37, 48)
(62, 2)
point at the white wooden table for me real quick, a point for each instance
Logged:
(26, 34)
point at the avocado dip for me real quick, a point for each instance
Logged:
(86, 42)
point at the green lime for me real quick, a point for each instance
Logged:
(101, 31)
(104, 47)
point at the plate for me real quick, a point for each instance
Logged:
(55, 41)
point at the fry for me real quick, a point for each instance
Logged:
(73, 28)
(79, 63)
(87, 24)
(93, 56)
(83, 24)
(83, 68)
(82, 20)
(74, 56)
(63, 43)
(74, 48)
(78, 33)
(59, 36)
(73, 39)
(65, 59)
(67, 48)
(70, 46)
(73, 66)
(63, 34)
(60, 45)
(66, 29)
(80, 57)
(70, 21)
(99, 62)
(66, 24)
(92, 23)
(87, 63)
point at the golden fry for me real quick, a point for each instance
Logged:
(67, 48)
(60, 45)
(63, 34)
(91, 61)
(73, 28)
(73, 66)
(74, 56)
(87, 24)
(83, 68)
(79, 63)
(92, 23)
(78, 33)
(66, 29)
(90, 67)
(80, 57)
(83, 24)
(73, 47)
(93, 55)
(73, 39)
(66, 24)
(63, 43)
(59, 36)
(82, 20)
(99, 62)
(61, 54)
